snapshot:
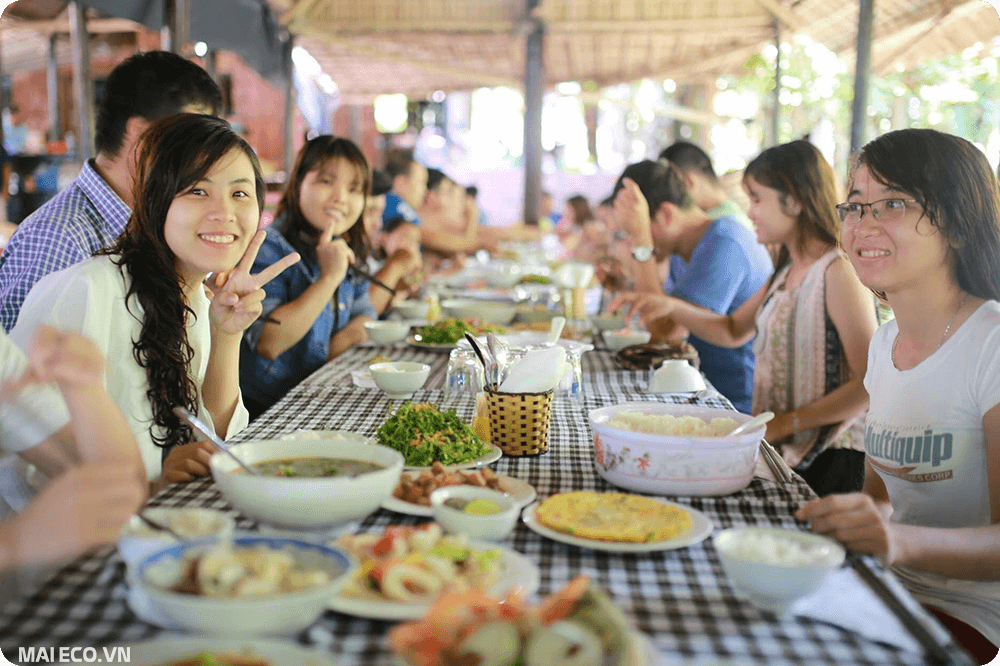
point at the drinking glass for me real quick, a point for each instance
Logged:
(465, 374)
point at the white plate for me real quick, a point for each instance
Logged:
(522, 493)
(431, 346)
(166, 649)
(701, 527)
(491, 457)
(515, 570)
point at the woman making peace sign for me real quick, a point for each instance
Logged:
(170, 341)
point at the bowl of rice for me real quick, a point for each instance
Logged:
(668, 449)
(775, 567)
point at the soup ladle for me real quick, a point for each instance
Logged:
(207, 433)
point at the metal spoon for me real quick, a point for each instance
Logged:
(478, 350)
(501, 355)
(156, 525)
(207, 433)
(755, 422)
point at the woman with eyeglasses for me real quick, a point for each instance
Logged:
(922, 227)
(811, 322)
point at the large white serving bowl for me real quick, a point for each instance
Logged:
(385, 332)
(138, 540)
(673, 464)
(399, 379)
(774, 567)
(412, 309)
(308, 503)
(243, 616)
(491, 312)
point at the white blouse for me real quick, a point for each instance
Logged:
(89, 297)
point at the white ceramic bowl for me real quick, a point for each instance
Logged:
(494, 526)
(676, 375)
(413, 309)
(308, 503)
(399, 379)
(138, 540)
(774, 567)
(503, 274)
(673, 464)
(607, 322)
(491, 312)
(622, 338)
(244, 616)
(385, 332)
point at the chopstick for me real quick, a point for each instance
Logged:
(935, 651)
(782, 472)
(374, 280)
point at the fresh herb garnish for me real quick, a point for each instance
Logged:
(425, 435)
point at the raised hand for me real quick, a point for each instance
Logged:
(333, 255)
(856, 521)
(237, 295)
(632, 212)
(64, 357)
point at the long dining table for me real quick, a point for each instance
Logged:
(681, 599)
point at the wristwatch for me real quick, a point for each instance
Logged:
(642, 253)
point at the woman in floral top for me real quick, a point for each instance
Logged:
(813, 320)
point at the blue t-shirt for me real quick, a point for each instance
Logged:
(265, 381)
(727, 267)
(396, 206)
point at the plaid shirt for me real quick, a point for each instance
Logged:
(69, 228)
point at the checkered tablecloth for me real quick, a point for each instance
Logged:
(681, 599)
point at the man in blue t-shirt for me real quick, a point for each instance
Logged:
(715, 263)
(409, 184)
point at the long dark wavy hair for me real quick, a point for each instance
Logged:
(952, 181)
(296, 228)
(174, 154)
(798, 171)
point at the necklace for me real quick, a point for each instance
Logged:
(944, 335)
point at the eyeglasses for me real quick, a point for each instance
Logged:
(883, 209)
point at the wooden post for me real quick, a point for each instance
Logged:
(83, 89)
(355, 111)
(52, 88)
(534, 88)
(289, 105)
(168, 39)
(211, 63)
(862, 74)
(776, 115)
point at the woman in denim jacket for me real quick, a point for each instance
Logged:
(318, 307)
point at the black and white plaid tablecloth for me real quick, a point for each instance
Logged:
(680, 598)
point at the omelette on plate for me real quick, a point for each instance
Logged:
(613, 517)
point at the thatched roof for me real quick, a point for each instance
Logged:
(418, 46)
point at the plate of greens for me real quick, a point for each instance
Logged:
(430, 346)
(425, 435)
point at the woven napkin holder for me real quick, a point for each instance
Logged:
(519, 422)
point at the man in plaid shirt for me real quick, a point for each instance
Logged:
(92, 211)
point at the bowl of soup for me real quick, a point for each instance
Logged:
(309, 483)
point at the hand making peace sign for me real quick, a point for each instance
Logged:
(237, 295)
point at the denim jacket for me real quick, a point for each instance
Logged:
(265, 381)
